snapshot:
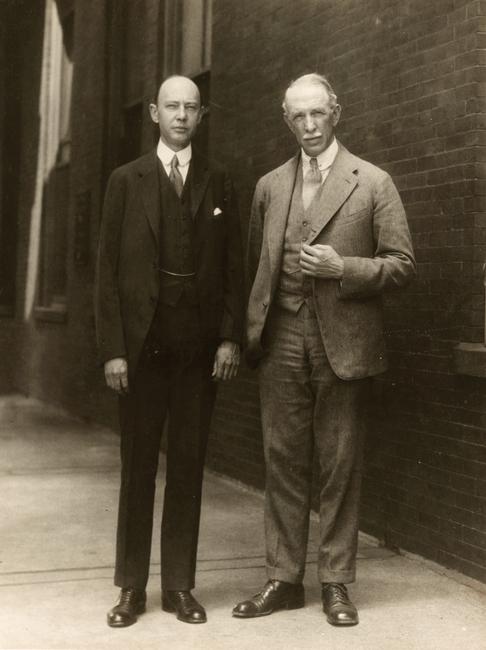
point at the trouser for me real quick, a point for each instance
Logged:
(306, 407)
(179, 385)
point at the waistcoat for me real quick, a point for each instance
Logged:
(294, 288)
(176, 247)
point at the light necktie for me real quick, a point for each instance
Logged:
(175, 176)
(312, 182)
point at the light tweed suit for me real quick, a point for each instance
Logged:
(314, 366)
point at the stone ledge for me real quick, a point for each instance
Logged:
(470, 359)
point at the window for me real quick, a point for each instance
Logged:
(57, 87)
(10, 100)
(187, 37)
(186, 49)
(133, 52)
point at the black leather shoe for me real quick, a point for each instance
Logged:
(130, 603)
(185, 606)
(337, 606)
(275, 595)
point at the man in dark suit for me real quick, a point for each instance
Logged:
(328, 235)
(169, 322)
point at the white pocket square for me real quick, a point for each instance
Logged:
(217, 211)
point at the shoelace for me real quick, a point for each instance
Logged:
(261, 596)
(186, 599)
(126, 596)
(338, 592)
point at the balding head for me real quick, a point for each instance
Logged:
(177, 111)
(178, 84)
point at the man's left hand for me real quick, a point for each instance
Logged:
(321, 261)
(226, 361)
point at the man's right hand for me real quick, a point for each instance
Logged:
(116, 375)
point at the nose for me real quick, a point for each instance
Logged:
(181, 113)
(309, 123)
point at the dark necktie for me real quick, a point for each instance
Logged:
(312, 182)
(175, 176)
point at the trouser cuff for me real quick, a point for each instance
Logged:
(275, 573)
(344, 577)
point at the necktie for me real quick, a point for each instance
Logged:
(312, 182)
(175, 176)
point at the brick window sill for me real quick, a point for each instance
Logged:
(57, 314)
(470, 359)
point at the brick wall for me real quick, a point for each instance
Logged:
(409, 76)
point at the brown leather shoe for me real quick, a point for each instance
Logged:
(130, 603)
(185, 606)
(275, 595)
(337, 606)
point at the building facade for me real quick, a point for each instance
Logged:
(76, 79)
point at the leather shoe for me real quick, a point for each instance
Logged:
(185, 606)
(337, 606)
(275, 595)
(130, 603)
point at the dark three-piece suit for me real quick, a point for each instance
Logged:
(168, 292)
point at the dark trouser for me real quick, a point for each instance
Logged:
(174, 382)
(305, 406)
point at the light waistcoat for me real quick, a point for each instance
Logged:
(294, 288)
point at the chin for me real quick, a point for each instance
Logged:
(314, 150)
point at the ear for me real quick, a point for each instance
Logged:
(154, 114)
(289, 123)
(336, 114)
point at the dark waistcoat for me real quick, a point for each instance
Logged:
(176, 248)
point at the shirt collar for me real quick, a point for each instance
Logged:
(165, 154)
(325, 158)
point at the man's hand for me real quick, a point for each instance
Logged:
(226, 361)
(116, 375)
(321, 261)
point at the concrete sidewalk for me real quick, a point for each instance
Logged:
(59, 487)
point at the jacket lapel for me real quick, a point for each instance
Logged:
(149, 186)
(339, 184)
(198, 178)
(278, 210)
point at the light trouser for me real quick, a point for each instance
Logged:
(307, 409)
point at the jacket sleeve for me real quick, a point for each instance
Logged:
(109, 328)
(255, 235)
(233, 313)
(393, 263)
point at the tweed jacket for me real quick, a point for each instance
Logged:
(362, 217)
(127, 277)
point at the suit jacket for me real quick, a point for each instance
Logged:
(362, 217)
(127, 278)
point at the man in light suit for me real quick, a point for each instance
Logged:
(169, 317)
(328, 235)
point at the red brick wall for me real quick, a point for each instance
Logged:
(408, 75)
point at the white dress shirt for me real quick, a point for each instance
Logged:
(324, 160)
(165, 155)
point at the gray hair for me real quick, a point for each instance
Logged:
(313, 79)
